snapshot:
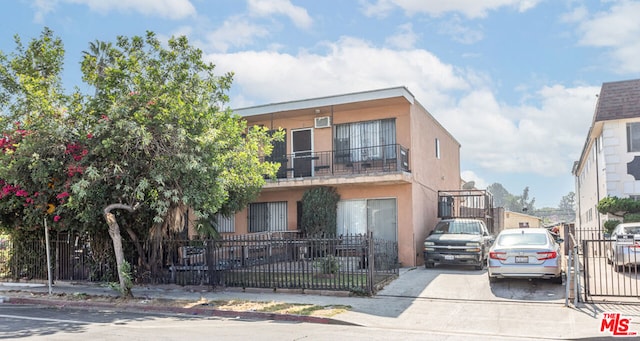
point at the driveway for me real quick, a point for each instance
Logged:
(446, 282)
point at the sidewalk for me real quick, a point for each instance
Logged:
(395, 307)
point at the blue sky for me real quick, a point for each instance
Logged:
(514, 81)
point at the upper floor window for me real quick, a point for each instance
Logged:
(437, 149)
(361, 141)
(633, 137)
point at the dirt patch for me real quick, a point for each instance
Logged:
(227, 305)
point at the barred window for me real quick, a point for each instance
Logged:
(268, 217)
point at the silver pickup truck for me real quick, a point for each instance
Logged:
(458, 241)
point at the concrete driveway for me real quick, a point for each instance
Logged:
(446, 282)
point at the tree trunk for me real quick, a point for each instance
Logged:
(114, 232)
(142, 257)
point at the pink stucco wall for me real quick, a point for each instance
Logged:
(416, 198)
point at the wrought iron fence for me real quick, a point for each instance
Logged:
(357, 263)
(610, 269)
(374, 159)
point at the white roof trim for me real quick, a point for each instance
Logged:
(327, 101)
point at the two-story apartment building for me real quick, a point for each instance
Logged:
(610, 161)
(381, 150)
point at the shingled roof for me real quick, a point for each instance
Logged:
(618, 100)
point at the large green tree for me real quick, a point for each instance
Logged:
(154, 139)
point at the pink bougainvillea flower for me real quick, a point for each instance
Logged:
(57, 218)
(89, 135)
(22, 193)
(62, 195)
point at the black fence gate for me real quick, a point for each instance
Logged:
(603, 277)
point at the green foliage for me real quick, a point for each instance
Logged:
(329, 265)
(610, 225)
(618, 206)
(320, 211)
(126, 274)
(632, 217)
(154, 132)
(513, 203)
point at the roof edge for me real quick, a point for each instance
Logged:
(400, 91)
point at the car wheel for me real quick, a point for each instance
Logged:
(479, 266)
(557, 280)
(429, 265)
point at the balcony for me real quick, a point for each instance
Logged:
(376, 160)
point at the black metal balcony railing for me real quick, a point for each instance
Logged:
(376, 159)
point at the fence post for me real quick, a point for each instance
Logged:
(48, 250)
(370, 262)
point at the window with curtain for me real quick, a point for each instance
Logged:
(225, 224)
(361, 141)
(268, 217)
(360, 216)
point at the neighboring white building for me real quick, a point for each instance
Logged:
(610, 161)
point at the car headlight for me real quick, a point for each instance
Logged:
(473, 247)
(428, 246)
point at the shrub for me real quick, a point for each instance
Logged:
(320, 211)
(329, 265)
(609, 225)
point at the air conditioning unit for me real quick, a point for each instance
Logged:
(323, 122)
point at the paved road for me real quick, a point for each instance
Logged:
(441, 303)
(33, 322)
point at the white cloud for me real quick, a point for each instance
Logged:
(543, 136)
(404, 39)
(235, 32)
(171, 9)
(42, 8)
(469, 8)
(617, 30)
(298, 15)
(460, 32)
(348, 65)
(576, 15)
(469, 176)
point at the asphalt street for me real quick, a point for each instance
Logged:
(446, 301)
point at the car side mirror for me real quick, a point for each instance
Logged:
(559, 240)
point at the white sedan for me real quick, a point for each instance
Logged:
(525, 253)
(624, 248)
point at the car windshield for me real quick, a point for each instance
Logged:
(458, 227)
(522, 239)
(631, 230)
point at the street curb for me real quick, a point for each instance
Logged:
(176, 310)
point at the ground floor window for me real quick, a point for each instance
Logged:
(268, 217)
(376, 215)
(225, 224)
